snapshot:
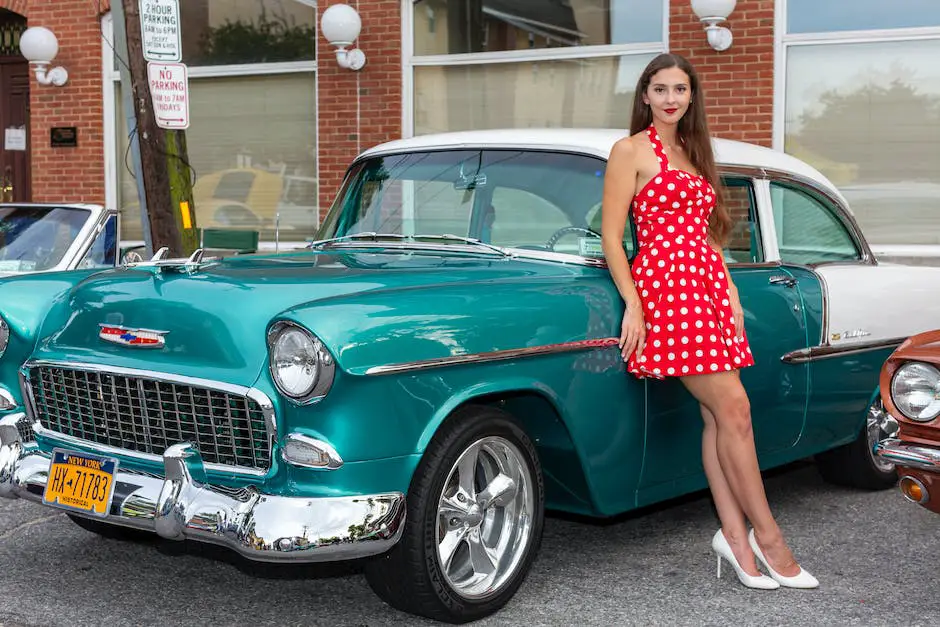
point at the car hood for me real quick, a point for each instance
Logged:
(215, 319)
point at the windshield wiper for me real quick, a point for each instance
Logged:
(410, 238)
(356, 236)
(469, 240)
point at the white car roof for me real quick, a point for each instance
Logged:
(599, 142)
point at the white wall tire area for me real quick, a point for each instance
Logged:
(474, 522)
(855, 464)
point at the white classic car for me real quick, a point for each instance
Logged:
(49, 237)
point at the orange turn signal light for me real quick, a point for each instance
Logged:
(914, 490)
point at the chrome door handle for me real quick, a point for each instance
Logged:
(782, 279)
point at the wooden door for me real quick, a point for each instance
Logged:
(14, 114)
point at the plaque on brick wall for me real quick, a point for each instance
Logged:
(64, 136)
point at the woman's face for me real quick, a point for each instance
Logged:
(668, 95)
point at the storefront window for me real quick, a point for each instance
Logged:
(226, 32)
(591, 92)
(868, 116)
(818, 16)
(252, 144)
(466, 26)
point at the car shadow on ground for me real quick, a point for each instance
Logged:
(330, 570)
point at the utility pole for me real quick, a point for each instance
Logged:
(164, 164)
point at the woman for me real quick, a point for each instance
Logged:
(683, 317)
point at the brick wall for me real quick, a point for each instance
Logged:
(67, 174)
(340, 135)
(739, 82)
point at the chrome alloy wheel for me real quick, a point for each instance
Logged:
(880, 425)
(484, 517)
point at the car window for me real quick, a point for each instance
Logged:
(532, 199)
(744, 242)
(808, 228)
(103, 252)
(523, 219)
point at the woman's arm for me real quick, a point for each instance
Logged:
(736, 308)
(619, 187)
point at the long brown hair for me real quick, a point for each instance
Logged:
(692, 131)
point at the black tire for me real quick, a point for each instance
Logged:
(853, 464)
(409, 577)
(112, 532)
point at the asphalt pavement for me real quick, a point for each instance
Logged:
(876, 557)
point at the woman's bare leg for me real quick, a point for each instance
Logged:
(723, 395)
(733, 522)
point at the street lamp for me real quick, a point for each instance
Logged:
(712, 13)
(39, 45)
(340, 26)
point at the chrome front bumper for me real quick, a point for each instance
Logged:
(909, 455)
(184, 506)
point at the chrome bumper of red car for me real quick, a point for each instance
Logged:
(909, 455)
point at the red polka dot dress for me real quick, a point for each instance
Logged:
(681, 281)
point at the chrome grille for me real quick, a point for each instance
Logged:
(25, 428)
(149, 415)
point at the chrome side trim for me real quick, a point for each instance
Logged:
(817, 353)
(183, 505)
(267, 410)
(909, 455)
(500, 355)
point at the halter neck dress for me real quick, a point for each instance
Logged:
(681, 281)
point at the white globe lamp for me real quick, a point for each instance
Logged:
(40, 46)
(340, 25)
(711, 13)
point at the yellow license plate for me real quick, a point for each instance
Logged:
(81, 482)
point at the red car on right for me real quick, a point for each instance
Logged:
(910, 392)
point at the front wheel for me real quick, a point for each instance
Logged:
(474, 523)
(855, 464)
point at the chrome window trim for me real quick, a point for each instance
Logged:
(491, 356)
(90, 236)
(839, 210)
(267, 410)
(817, 353)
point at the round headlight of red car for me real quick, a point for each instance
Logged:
(915, 391)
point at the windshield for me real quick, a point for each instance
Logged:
(36, 238)
(521, 199)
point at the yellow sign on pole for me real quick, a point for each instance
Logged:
(187, 218)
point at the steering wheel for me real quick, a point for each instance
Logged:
(557, 235)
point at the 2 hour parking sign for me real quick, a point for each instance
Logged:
(160, 30)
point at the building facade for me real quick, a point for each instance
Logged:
(275, 120)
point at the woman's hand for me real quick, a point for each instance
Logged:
(632, 331)
(737, 311)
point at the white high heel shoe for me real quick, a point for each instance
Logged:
(802, 580)
(723, 550)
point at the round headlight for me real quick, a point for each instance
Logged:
(4, 336)
(915, 391)
(301, 366)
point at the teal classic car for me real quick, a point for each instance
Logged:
(422, 382)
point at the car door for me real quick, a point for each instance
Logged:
(775, 325)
